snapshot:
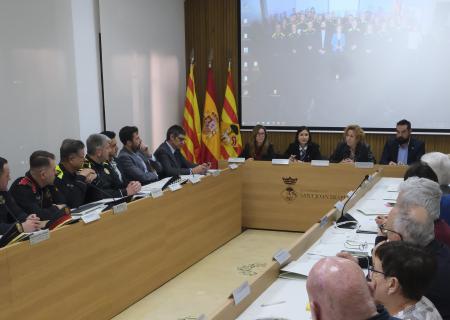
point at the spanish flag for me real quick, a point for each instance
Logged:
(230, 135)
(191, 121)
(211, 130)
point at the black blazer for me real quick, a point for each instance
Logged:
(173, 164)
(312, 152)
(265, 157)
(10, 212)
(416, 149)
(362, 153)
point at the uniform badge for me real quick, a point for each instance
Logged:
(106, 170)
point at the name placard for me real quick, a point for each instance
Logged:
(39, 236)
(120, 208)
(339, 205)
(194, 179)
(364, 165)
(236, 160)
(320, 163)
(241, 293)
(156, 193)
(175, 187)
(90, 217)
(282, 256)
(323, 222)
(280, 161)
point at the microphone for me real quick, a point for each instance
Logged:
(348, 222)
(11, 213)
(102, 191)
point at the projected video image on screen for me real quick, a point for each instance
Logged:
(328, 63)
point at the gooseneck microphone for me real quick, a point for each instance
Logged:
(346, 221)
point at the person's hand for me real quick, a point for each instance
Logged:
(88, 173)
(250, 159)
(144, 148)
(347, 160)
(31, 225)
(201, 169)
(91, 177)
(292, 158)
(133, 188)
(381, 219)
(347, 256)
(85, 172)
(33, 217)
(392, 163)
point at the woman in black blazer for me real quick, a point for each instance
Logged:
(353, 149)
(303, 149)
(259, 148)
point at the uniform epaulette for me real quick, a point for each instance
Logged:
(25, 181)
(59, 172)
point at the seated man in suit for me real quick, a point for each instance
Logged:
(107, 184)
(135, 160)
(170, 157)
(403, 149)
(11, 216)
(36, 193)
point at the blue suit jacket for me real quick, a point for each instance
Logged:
(416, 149)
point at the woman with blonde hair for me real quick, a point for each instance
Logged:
(353, 148)
(259, 148)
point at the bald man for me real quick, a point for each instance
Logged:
(338, 290)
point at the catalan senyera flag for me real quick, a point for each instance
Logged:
(191, 121)
(230, 134)
(211, 130)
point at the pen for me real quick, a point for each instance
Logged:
(272, 303)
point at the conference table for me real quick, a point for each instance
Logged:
(182, 255)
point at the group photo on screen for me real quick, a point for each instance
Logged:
(330, 62)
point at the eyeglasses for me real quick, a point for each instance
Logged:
(181, 138)
(371, 271)
(385, 231)
(355, 245)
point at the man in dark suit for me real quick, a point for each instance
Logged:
(403, 149)
(170, 157)
(135, 159)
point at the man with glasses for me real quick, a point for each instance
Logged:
(412, 220)
(71, 178)
(170, 157)
(400, 276)
(338, 290)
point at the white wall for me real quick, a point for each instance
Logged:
(50, 72)
(38, 93)
(143, 65)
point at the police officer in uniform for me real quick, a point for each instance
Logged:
(107, 184)
(36, 193)
(11, 216)
(71, 178)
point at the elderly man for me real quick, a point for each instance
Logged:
(401, 274)
(412, 220)
(338, 290)
(106, 185)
